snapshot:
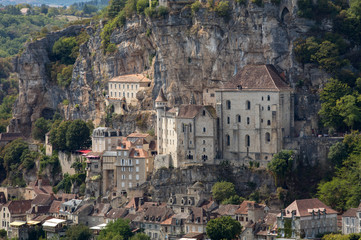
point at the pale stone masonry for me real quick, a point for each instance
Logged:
(127, 86)
(105, 139)
(187, 133)
(351, 221)
(255, 111)
(306, 218)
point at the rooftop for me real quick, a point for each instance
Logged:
(130, 78)
(305, 207)
(258, 77)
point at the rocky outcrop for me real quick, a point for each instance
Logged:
(182, 52)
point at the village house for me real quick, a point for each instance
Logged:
(351, 221)
(186, 134)
(67, 209)
(196, 221)
(306, 218)
(13, 211)
(54, 228)
(127, 86)
(174, 227)
(105, 139)
(255, 111)
(250, 211)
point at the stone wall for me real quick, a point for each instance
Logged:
(66, 160)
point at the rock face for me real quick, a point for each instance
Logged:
(182, 52)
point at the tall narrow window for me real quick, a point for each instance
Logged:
(190, 127)
(248, 141)
(204, 112)
(268, 108)
(238, 118)
(204, 130)
(268, 98)
(269, 122)
(248, 105)
(228, 103)
(248, 121)
(228, 140)
(228, 120)
(268, 137)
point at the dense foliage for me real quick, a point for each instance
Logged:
(223, 190)
(70, 135)
(224, 227)
(78, 232)
(118, 229)
(333, 236)
(342, 190)
(281, 165)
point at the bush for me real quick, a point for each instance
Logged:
(195, 7)
(142, 5)
(65, 102)
(162, 11)
(222, 9)
(223, 190)
(65, 76)
(65, 50)
(150, 12)
(111, 48)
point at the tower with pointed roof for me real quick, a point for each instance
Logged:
(160, 105)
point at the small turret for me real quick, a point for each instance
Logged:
(161, 100)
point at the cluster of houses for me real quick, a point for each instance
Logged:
(183, 216)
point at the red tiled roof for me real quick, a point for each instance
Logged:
(55, 206)
(245, 205)
(258, 77)
(228, 209)
(43, 200)
(131, 78)
(304, 207)
(18, 206)
(350, 213)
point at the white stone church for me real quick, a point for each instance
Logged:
(254, 111)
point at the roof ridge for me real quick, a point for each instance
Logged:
(269, 74)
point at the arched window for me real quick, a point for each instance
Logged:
(204, 112)
(228, 140)
(268, 98)
(269, 122)
(228, 120)
(238, 118)
(228, 104)
(247, 141)
(268, 137)
(268, 108)
(262, 98)
(248, 105)
(248, 121)
(204, 129)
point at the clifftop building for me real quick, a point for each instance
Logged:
(255, 111)
(188, 133)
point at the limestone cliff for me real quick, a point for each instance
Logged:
(182, 52)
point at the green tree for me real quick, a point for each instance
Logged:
(12, 152)
(281, 165)
(60, 140)
(77, 135)
(348, 107)
(63, 50)
(41, 127)
(222, 8)
(223, 190)
(337, 154)
(224, 227)
(235, 199)
(118, 229)
(115, 6)
(329, 113)
(142, 5)
(334, 193)
(78, 232)
(140, 236)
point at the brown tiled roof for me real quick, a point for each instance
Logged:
(161, 97)
(131, 217)
(43, 200)
(194, 235)
(258, 77)
(10, 136)
(157, 214)
(116, 213)
(227, 210)
(85, 209)
(42, 218)
(245, 205)
(66, 196)
(350, 213)
(38, 210)
(304, 207)
(189, 111)
(138, 135)
(100, 209)
(131, 78)
(18, 206)
(138, 153)
(197, 215)
(55, 206)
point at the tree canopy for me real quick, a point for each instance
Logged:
(118, 229)
(78, 232)
(281, 164)
(223, 190)
(224, 227)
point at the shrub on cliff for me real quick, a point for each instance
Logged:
(281, 165)
(142, 5)
(222, 9)
(196, 6)
(41, 127)
(63, 50)
(223, 190)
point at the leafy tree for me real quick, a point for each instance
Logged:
(60, 140)
(77, 135)
(337, 154)
(140, 236)
(64, 50)
(329, 112)
(349, 109)
(41, 127)
(78, 232)
(118, 229)
(235, 199)
(115, 6)
(12, 152)
(281, 165)
(334, 193)
(224, 227)
(142, 5)
(222, 8)
(223, 190)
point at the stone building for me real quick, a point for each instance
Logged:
(105, 139)
(255, 111)
(129, 164)
(351, 221)
(127, 86)
(13, 211)
(187, 133)
(306, 218)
